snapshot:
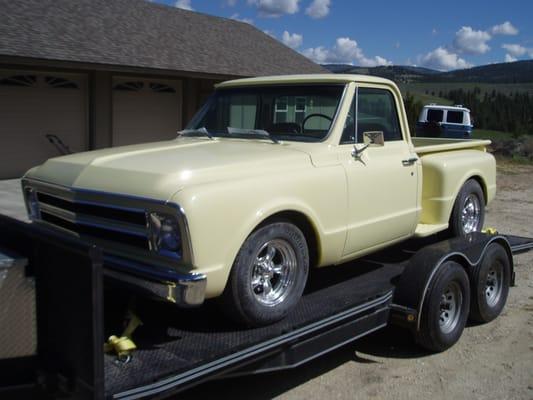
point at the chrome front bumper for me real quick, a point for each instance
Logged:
(185, 290)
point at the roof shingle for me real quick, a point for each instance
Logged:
(136, 33)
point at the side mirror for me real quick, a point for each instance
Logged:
(374, 138)
(370, 138)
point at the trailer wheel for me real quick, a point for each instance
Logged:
(490, 281)
(468, 212)
(445, 308)
(268, 276)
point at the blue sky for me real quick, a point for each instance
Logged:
(443, 35)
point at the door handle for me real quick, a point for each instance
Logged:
(409, 161)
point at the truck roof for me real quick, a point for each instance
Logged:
(308, 78)
(442, 107)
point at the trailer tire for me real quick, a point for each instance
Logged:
(268, 276)
(445, 308)
(490, 281)
(468, 214)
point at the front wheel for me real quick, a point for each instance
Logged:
(268, 276)
(445, 308)
(468, 212)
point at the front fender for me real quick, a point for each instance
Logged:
(222, 215)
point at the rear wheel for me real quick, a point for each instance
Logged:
(490, 282)
(268, 276)
(445, 308)
(468, 212)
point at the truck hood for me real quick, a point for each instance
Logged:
(158, 170)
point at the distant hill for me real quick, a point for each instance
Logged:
(515, 72)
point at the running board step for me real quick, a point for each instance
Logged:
(424, 230)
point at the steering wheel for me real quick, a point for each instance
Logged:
(315, 115)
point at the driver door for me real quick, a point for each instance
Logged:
(383, 179)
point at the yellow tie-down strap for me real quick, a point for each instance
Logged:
(490, 231)
(123, 346)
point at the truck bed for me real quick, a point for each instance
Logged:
(425, 145)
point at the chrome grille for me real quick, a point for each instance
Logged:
(127, 226)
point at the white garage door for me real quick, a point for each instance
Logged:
(145, 110)
(33, 105)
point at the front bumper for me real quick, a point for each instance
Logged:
(185, 290)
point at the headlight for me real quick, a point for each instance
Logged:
(32, 204)
(165, 236)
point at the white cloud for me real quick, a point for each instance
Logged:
(504, 29)
(293, 40)
(231, 3)
(275, 8)
(236, 17)
(443, 59)
(345, 50)
(515, 50)
(318, 9)
(509, 58)
(270, 33)
(184, 4)
(470, 41)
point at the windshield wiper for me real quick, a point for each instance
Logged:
(252, 132)
(202, 131)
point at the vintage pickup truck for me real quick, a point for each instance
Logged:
(274, 175)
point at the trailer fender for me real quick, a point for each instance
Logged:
(418, 275)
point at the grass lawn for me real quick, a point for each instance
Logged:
(488, 134)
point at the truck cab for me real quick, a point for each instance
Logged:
(445, 121)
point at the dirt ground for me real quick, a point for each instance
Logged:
(491, 361)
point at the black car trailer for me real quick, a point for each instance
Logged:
(426, 286)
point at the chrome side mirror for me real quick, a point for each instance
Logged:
(358, 152)
(370, 138)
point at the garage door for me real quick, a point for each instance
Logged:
(145, 110)
(33, 105)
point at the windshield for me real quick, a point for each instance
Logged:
(299, 113)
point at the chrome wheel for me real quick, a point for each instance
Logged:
(493, 286)
(450, 307)
(274, 272)
(471, 214)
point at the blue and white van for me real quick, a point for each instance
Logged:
(444, 121)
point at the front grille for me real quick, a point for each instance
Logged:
(108, 212)
(101, 221)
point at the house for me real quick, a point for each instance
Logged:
(100, 73)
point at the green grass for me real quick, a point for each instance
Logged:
(436, 87)
(488, 134)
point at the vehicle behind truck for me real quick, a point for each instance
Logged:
(273, 177)
(445, 121)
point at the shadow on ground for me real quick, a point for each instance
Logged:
(388, 343)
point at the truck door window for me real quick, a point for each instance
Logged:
(435, 115)
(454, 117)
(376, 111)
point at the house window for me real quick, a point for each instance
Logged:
(161, 88)
(300, 108)
(56, 82)
(135, 86)
(19, 80)
(281, 109)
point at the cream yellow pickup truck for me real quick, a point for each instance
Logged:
(272, 177)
